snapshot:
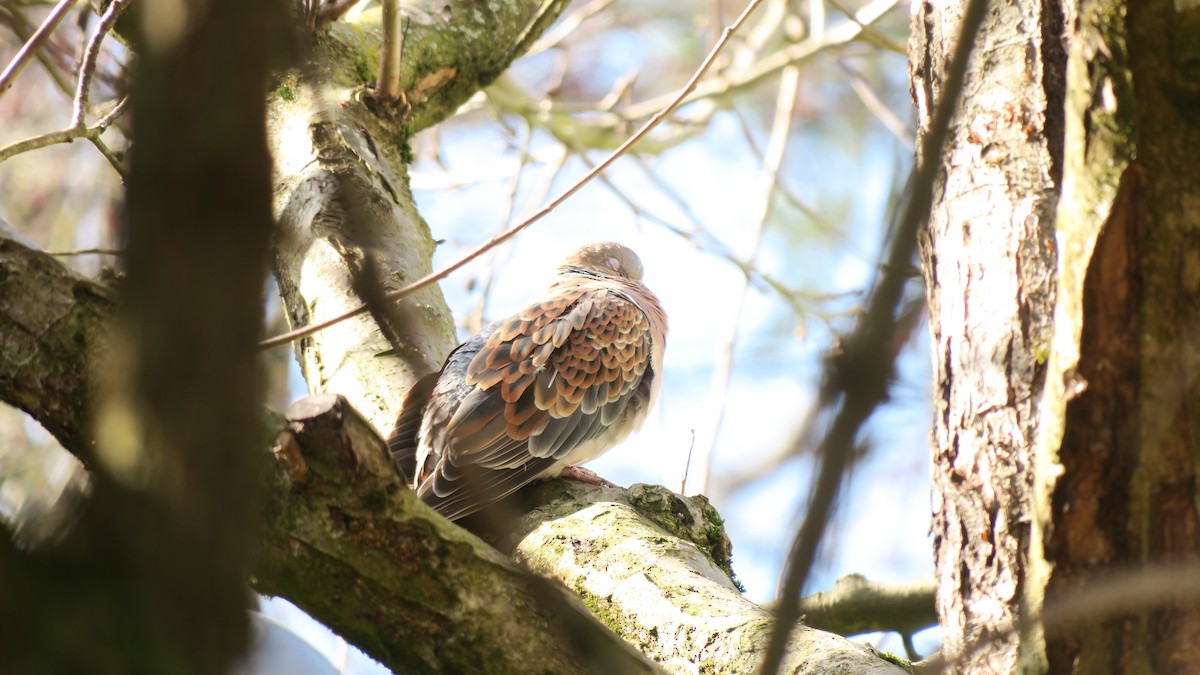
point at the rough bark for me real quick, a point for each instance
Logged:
(1109, 483)
(1164, 513)
(410, 589)
(48, 315)
(1127, 493)
(988, 258)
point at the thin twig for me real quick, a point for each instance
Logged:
(34, 43)
(90, 55)
(67, 135)
(20, 26)
(826, 227)
(113, 160)
(859, 375)
(875, 36)
(476, 317)
(86, 251)
(886, 117)
(390, 51)
(568, 25)
(769, 65)
(78, 127)
(550, 206)
(703, 240)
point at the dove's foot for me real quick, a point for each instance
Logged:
(585, 476)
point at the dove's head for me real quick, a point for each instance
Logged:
(607, 259)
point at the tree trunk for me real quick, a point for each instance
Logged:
(1064, 332)
(988, 257)
(1127, 495)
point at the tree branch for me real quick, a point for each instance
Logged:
(31, 46)
(349, 543)
(52, 323)
(856, 605)
(646, 560)
(513, 231)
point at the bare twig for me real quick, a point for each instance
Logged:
(768, 66)
(92, 133)
(568, 25)
(34, 43)
(88, 67)
(476, 318)
(388, 86)
(78, 127)
(702, 239)
(859, 374)
(874, 35)
(20, 26)
(886, 117)
(86, 251)
(550, 206)
(793, 199)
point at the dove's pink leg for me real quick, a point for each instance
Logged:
(585, 476)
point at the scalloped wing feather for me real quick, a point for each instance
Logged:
(514, 401)
(579, 353)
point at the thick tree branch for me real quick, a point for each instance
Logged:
(645, 560)
(856, 605)
(343, 199)
(349, 543)
(51, 327)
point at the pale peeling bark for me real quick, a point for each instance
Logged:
(346, 214)
(664, 593)
(988, 258)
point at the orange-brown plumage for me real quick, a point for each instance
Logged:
(556, 384)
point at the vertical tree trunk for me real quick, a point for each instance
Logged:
(1065, 442)
(988, 259)
(1127, 494)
